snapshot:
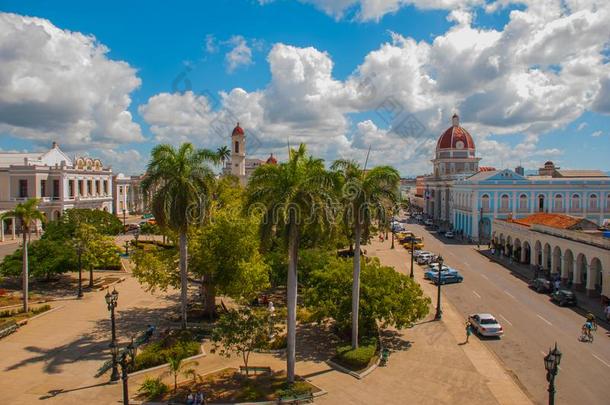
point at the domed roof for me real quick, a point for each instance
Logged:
(271, 160)
(455, 137)
(237, 130)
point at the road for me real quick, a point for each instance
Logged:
(6, 248)
(532, 324)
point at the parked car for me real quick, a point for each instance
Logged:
(131, 227)
(564, 297)
(432, 272)
(449, 235)
(541, 285)
(486, 325)
(448, 277)
(428, 222)
(417, 253)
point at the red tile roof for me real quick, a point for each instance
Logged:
(559, 221)
(487, 169)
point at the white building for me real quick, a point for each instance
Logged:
(127, 195)
(240, 165)
(60, 182)
(463, 196)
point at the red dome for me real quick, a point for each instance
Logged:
(455, 137)
(237, 130)
(271, 160)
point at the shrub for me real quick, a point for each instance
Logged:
(359, 358)
(250, 392)
(278, 343)
(304, 315)
(153, 388)
(41, 309)
(178, 345)
(293, 390)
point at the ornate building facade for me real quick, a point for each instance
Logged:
(240, 165)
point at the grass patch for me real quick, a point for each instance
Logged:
(18, 314)
(358, 359)
(177, 343)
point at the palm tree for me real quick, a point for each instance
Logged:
(364, 192)
(223, 154)
(181, 184)
(28, 214)
(176, 366)
(290, 194)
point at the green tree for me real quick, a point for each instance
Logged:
(104, 223)
(176, 365)
(387, 297)
(28, 214)
(240, 331)
(180, 182)
(290, 195)
(98, 250)
(364, 193)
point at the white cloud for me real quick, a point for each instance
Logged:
(596, 134)
(239, 55)
(58, 84)
(581, 126)
(211, 45)
(501, 81)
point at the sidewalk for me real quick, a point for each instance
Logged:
(526, 273)
(502, 385)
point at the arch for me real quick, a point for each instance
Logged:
(541, 203)
(523, 202)
(485, 202)
(508, 248)
(546, 256)
(593, 202)
(516, 253)
(595, 277)
(504, 202)
(576, 201)
(236, 147)
(105, 209)
(558, 203)
(526, 252)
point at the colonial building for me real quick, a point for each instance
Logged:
(560, 244)
(463, 196)
(60, 182)
(240, 165)
(127, 195)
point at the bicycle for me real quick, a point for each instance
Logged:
(586, 336)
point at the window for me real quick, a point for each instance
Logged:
(523, 202)
(56, 189)
(558, 202)
(504, 202)
(71, 188)
(23, 189)
(593, 201)
(80, 187)
(540, 203)
(485, 202)
(236, 147)
(576, 201)
(105, 187)
(43, 188)
(97, 187)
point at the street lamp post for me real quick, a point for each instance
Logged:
(124, 221)
(392, 247)
(111, 301)
(136, 235)
(439, 312)
(129, 352)
(126, 248)
(412, 254)
(551, 364)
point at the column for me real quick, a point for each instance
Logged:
(475, 224)
(576, 282)
(1, 230)
(514, 204)
(553, 262)
(565, 270)
(13, 225)
(590, 282)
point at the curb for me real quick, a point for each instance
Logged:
(355, 374)
(25, 321)
(97, 289)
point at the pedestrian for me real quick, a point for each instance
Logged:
(468, 330)
(557, 284)
(607, 312)
(190, 399)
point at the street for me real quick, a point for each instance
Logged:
(532, 325)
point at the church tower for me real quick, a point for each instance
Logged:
(238, 154)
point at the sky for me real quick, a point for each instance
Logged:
(530, 79)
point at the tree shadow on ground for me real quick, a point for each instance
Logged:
(314, 343)
(394, 341)
(132, 321)
(53, 393)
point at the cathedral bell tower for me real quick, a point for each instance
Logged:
(238, 153)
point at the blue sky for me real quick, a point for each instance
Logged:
(152, 43)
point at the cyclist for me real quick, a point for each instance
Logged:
(586, 336)
(591, 319)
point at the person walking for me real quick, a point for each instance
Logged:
(468, 330)
(557, 284)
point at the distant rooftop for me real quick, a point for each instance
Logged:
(558, 221)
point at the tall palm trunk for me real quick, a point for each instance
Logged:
(25, 271)
(183, 277)
(291, 304)
(356, 285)
(208, 289)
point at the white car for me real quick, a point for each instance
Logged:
(424, 258)
(449, 235)
(486, 325)
(429, 222)
(418, 253)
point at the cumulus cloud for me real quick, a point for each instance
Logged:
(239, 55)
(596, 134)
(581, 126)
(538, 73)
(58, 84)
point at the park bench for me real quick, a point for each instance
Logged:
(297, 399)
(255, 369)
(7, 328)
